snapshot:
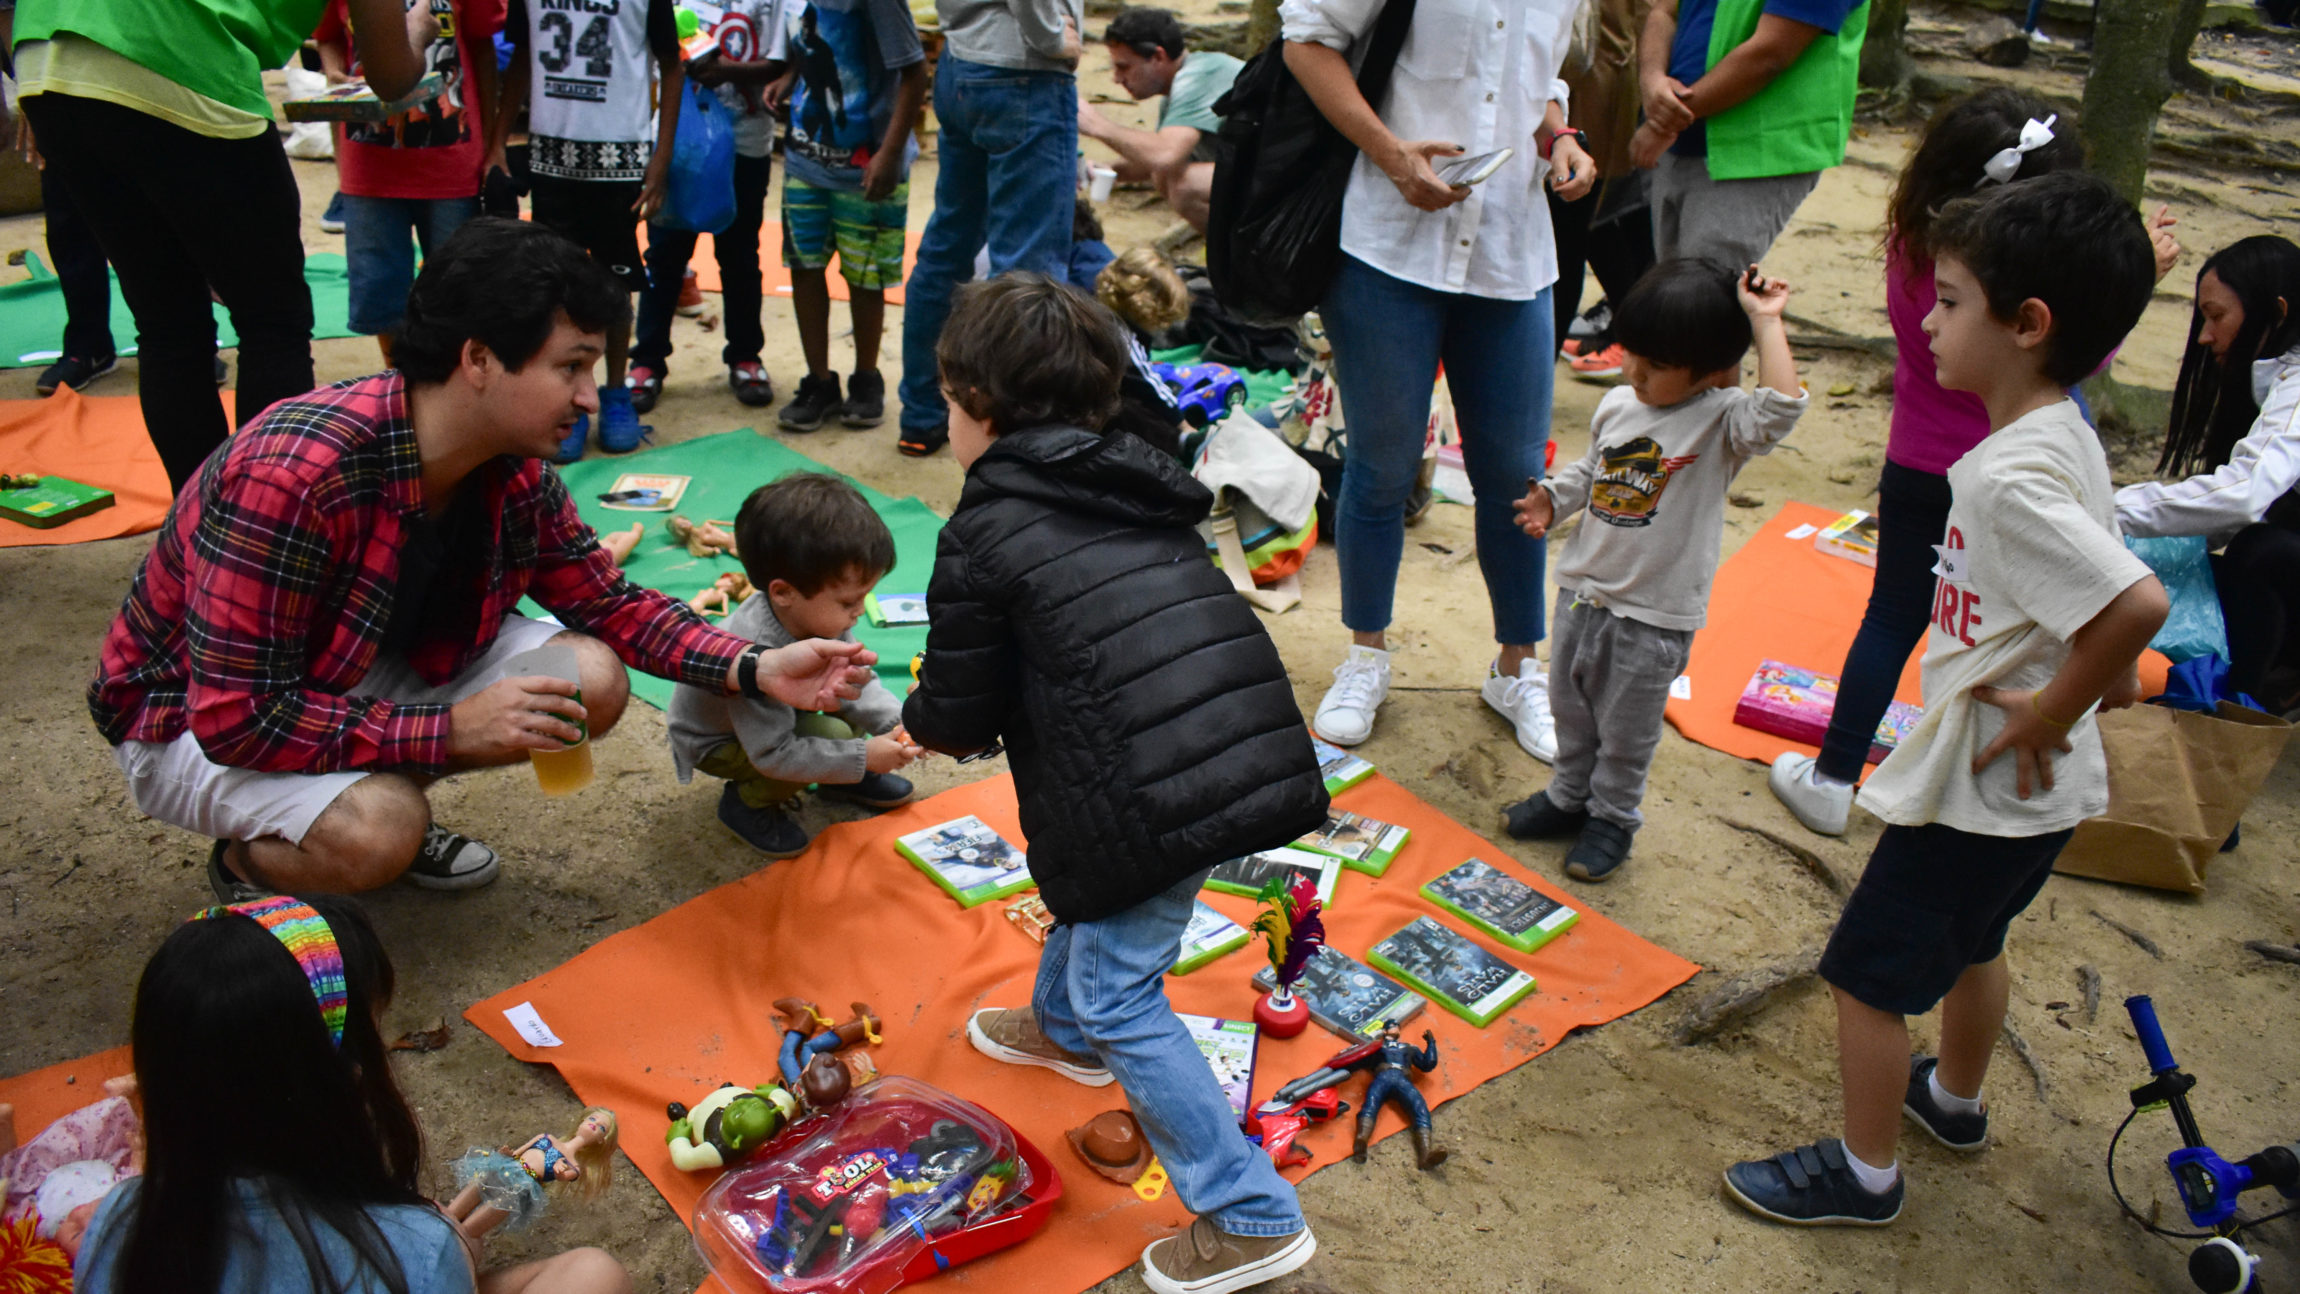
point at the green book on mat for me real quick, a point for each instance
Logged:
(1456, 974)
(1246, 876)
(887, 609)
(972, 863)
(1363, 844)
(52, 502)
(1501, 905)
(1208, 936)
(1342, 769)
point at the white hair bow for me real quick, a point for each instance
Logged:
(2001, 168)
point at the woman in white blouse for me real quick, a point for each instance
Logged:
(1437, 272)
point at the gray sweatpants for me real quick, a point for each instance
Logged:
(1609, 678)
(1732, 221)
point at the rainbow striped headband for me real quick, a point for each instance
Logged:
(304, 933)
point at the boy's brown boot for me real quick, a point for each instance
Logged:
(1012, 1035)
(1208, 1260)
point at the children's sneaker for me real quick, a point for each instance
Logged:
(1536, 818)
(1597, 363)
(915, 443)
(750, 383)
(620, 430)
(866, 400)
(331, 220)
(1361, 684)
(1208, 1260)
(1965, 1133)
(448, 861)
(1602, 849)
(816, 399)
(1010, 1035)
(690, 296)
(229, 886)
(875, 790)
(74, 371)
(772, 831)
(1822, 808)
(1811, 1186)
(571, 449)
(1524, 701)
(646, 386)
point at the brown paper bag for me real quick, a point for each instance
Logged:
(2178, 782)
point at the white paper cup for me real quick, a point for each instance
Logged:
(1100, 181)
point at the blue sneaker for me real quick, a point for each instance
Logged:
(875, 790)
(571, 449)
(1811, 1186)
(619, 428)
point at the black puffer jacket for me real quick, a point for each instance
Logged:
(1147, 716)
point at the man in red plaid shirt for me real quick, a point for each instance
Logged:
(322, 628)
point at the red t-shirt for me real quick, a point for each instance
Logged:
(434, 150)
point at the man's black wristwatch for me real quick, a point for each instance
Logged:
(747, 672)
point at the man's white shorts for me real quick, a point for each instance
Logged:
(178, 784)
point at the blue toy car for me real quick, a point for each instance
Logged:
(1205, 393)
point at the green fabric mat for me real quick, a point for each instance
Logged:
(32, 312)
(1263, 385)
(726, 468)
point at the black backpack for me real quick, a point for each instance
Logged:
(1274, 224)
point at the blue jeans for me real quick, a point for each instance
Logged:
(1912, 515)
(1388, 337)
(379, 259)
(1102, 992)
(1009, 154)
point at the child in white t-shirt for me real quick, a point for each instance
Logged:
(2039, 616)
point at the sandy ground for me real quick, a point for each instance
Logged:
(1594, 1168)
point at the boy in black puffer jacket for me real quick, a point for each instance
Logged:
(1151, 729)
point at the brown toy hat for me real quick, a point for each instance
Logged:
(1112, 1144)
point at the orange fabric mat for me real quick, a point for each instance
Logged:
(777, 276)
(668, 1010)
(1783, 599)
(97, 440)
(46, 1095)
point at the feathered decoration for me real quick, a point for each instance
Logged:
(1291, 923)
(28, 1264)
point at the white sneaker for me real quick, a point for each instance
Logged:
(1361, 684)
(1524, 701)
(1821, 806)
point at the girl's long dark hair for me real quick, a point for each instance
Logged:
(240, 1082)
(2212, 406)
(1958, 141)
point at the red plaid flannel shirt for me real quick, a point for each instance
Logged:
(263, 605)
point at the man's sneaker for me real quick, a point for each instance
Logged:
(876, 790)
(228, 885)
(1821, 808)
(866, 400)
(646, 385)
(620, 430)
(1208, 1260)
(1524, 701)
(772, 830)
(690, 295)
(1811, 1186)
(1010, 1035)
(1597, 363)
(1361, 683)
(451, 862)
(1592, 323)
(571, 449)
(1602, 849)
(915, 443)
(74, 371)
(750, 383)
(816, 399)
(1535, 818)
(1961, 1132)
(331, 220)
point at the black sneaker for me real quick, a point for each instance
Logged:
(1811, 1186)
(74, 371)
(1960, 1132)
(816, 400)
(877, 790)
(1603, 847)
(922, 444)
(866, 400)
(1535, 818)
(223, 374)
(771, 831)
(448, 861)
(228, 885)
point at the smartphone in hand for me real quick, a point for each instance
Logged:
(1461, 172)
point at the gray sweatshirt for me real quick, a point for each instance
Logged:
(767, 729)
(1010, 33)
(1654, 482)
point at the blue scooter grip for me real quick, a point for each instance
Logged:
(2144, 1023)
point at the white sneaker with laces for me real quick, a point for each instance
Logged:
(1361, 683)
(1822, 806)
(1524, 701)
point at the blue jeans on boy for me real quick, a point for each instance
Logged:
(379, 259)
(1388, 337)
(1009, 157)
(1102, 992)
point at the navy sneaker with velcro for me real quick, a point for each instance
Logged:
(1811, 1186)
(1965, 1133)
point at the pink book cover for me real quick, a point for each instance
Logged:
(1791, 702)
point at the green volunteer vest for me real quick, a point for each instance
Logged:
(1801, 121)
(219, 48)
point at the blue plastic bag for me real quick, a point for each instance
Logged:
(2194, 628)
(700, 191)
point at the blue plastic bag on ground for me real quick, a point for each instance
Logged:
(699, 194)
(2182, 565)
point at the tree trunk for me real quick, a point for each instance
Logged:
(2185, 25)
(1262, 26)
(2126, 87)
(1885, 62)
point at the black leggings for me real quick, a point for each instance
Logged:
(178, 213)
(1618, 252)
(1912, 515)
(2259, 581)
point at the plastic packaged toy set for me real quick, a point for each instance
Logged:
(897, 1183)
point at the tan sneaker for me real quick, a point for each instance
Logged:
(1003, 1033)
(1208, 1260)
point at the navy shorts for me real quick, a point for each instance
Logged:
(1933, 901)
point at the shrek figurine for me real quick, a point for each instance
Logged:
(725, 1127)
